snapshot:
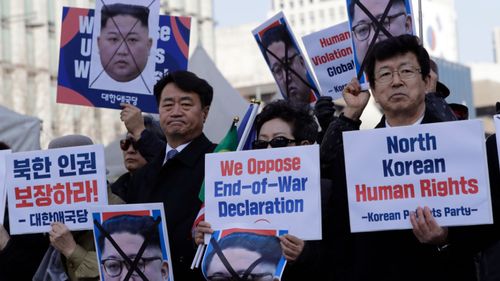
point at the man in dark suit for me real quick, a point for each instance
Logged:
(398, 70)
(175, 176)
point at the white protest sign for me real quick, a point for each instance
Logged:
(55, 185)
(3, 153)
(392, 171)
(116, 222)
(331, 52)
(275, 188)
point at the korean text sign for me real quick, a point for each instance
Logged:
(392, 171)
(54, 185)
(171, 54)
(331, 52)
(275, 188)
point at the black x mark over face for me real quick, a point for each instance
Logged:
(377, 20)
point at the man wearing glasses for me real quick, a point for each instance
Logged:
(130, 233)
(287, 65)
(397, 22)
(398, 71)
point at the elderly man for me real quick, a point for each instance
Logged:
(175, 176)
(398, 69)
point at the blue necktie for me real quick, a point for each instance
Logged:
(171, 154)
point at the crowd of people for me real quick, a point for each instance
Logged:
(166, 163)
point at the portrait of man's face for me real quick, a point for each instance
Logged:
(241, 260)
(151, 263)
(124, 47)
(290, 83)
(397, 22)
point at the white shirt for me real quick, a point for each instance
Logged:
(179, 149)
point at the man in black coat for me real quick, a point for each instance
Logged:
(398, 71)
(175, 175)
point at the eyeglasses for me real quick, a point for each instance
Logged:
(125, 144)
(114, 267)
(250, 277)
(405, 72)
(362, 30)
(276, 142)
(278, 67)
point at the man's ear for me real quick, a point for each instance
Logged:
(164, 270)
(427, 81)
(204, 111)
(408, 24)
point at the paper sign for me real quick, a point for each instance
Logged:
(54, 185)
(285, 60)
(81, 79)
(392, 171)
(129, 227)
(331, 53)
(275, 188)
(3, 153)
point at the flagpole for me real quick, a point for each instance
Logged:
(246, 132)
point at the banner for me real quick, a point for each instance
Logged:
(121, 233)
(392, 171)
(3, 154)
(82, 78)
(374, 21)
(331, 53)
(275, 188)
(285, 60)
(54, 185)
(232, 252)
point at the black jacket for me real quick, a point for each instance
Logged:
(177, 185)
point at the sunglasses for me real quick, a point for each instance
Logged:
(276, 142)
(125, 144)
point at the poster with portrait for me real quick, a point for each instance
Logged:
(3, 153)
(54, 185)
(251, 253)
(81, 71)
(124, 38)
(374, 21)
(286, 61)
(132, 240)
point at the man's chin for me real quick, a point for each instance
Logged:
(123, 77)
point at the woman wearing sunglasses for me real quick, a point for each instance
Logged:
(282, 124)
(133, 160)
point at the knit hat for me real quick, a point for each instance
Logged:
(69, 141)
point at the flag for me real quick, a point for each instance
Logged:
(235, 139)
(228, 143)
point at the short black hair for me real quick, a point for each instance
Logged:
(396, 46)
(139, 12)
(350, 9)
(267, 246)
(4, 146)
(188, 82)
(299, 116)
(277, 33)
(140, 225)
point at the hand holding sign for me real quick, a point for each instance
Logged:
(355, 99)
(426, 229)
(62, 239)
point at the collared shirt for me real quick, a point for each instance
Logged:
(179, 149)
